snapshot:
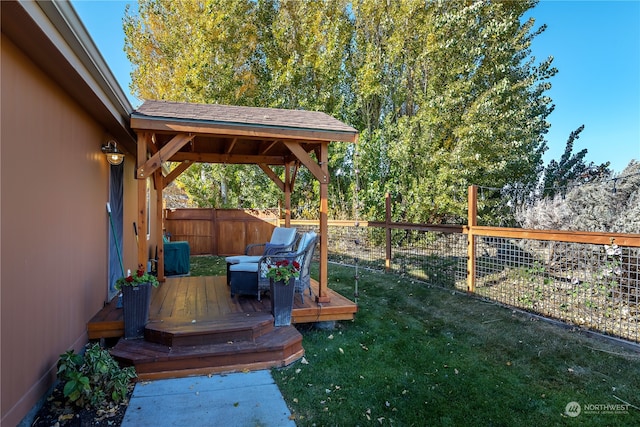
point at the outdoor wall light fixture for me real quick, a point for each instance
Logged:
(114, 156)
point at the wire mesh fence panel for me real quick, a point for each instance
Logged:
(362, 245)
(592, 286)
(434, 257)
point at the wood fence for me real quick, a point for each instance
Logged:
(220, 231)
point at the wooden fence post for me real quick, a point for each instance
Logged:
(387, 225)
(472, 221)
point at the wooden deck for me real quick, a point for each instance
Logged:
(204, 298)
(195, 327)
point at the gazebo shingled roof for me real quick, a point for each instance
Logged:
(238, 115)
(213, 133)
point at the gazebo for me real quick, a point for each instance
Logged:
(188, 133)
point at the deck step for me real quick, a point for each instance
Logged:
(231, 327)
(279, 347)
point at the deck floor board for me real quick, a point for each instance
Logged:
(205, 298)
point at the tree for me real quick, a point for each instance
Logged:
(190, 51)
(570, 169)
(445, 93)
(305, 45)
(286, 54)
(449, 88)
(606, 203)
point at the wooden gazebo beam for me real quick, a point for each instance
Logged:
(155, 162)
(321, 174)
(176, 172)
(271, 174)
(239, 159)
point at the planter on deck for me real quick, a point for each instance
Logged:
(282, 301)
(135, 303)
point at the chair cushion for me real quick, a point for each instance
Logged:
(305, 240)
(242, 259)
(249, 267)
(283, 236)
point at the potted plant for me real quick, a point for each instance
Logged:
(282, 276)
(136, 298)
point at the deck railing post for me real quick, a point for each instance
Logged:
(387, 225)
(472, 221)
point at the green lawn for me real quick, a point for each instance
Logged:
(418, 355)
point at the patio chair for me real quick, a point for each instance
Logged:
(304, 256)
(282, 240)
(250, 278)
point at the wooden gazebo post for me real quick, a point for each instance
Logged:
(323, 296)
(151, 167)
(159, 184)
(142, 200)
(287, 194)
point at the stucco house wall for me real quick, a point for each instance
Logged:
(58, 108)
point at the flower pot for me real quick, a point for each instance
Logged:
(282, 301)
(135, 303)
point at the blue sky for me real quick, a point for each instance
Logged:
(595, 45)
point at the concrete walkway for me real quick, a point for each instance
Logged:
(243, 399)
